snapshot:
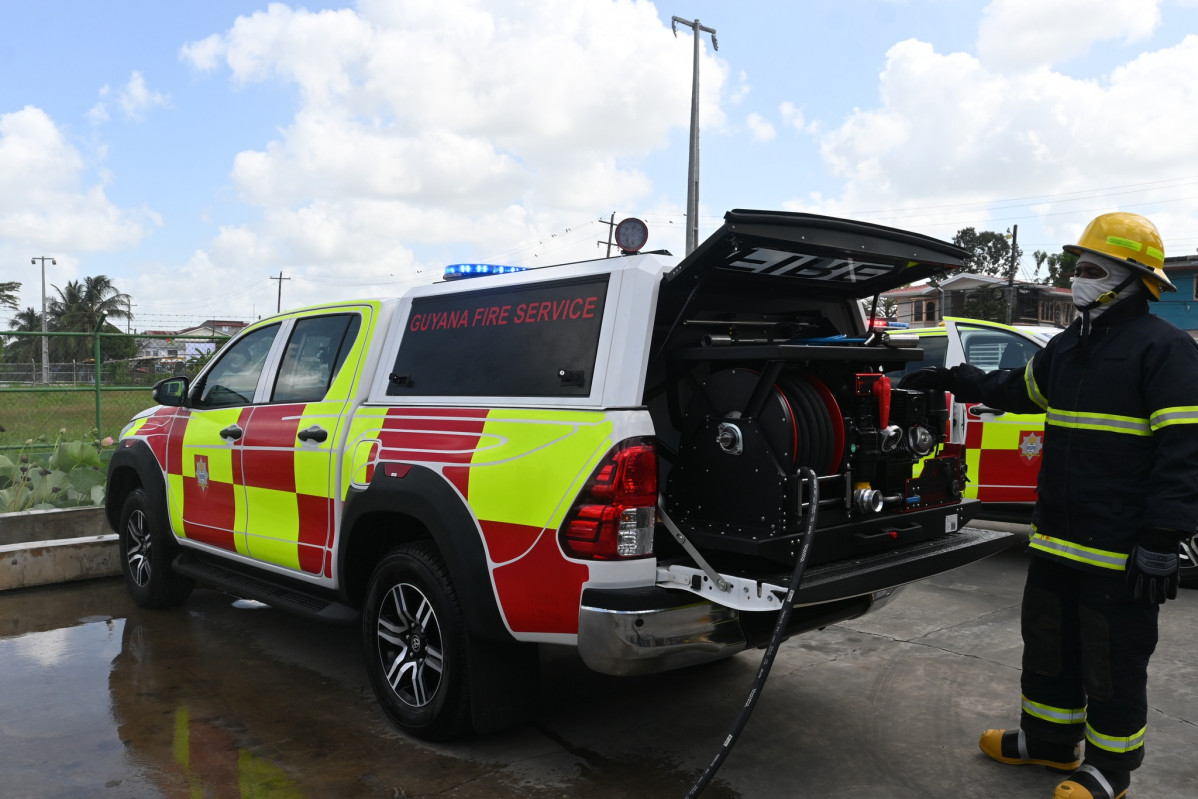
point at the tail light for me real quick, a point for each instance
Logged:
(614, 514)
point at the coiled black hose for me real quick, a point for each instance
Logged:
(767, 660)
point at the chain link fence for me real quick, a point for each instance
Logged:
(51, 389)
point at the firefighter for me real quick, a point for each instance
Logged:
(1118, 490)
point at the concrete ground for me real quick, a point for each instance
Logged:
(230, 698)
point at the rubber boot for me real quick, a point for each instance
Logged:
(1089, 782)
(1014, 748)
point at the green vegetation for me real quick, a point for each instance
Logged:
(72, 474)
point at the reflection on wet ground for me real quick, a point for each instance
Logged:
(228, 698)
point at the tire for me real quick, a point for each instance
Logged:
(1189, 562)
(415, 643)
(146, 550)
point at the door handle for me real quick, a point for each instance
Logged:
(232, 432)
(982, 410)
(314, 433)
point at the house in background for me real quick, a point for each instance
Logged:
(175, 344)
(1180, 307)
(925, 305)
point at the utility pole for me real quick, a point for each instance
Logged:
(280, 278)
(692, 184)
(1011, 272)
(45, 338)
(611, 229)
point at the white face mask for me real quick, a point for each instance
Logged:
(1087, 290)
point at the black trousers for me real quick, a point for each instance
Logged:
(1086, 646)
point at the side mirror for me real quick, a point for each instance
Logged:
(171, 391)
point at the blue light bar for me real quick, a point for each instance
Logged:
(459, 271)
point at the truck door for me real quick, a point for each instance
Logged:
(207, 503)
(1003, 454)
(289, 442)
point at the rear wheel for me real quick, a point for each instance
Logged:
(414, 638)
(146, 550)
(1189, 561)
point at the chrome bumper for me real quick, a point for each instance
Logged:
(627, 642)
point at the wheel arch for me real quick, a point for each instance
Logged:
(421, 505)
(134, 466)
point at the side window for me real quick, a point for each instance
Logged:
(234, 377)
(317, 348)
(990, 349)
(535, 340)
(934, 349)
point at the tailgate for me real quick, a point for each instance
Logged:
(845, 578)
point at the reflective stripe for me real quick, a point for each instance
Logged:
(1119, 241)
(1094, 557)
(1033, 390)
(1182, 414)
(1114, 743)
(1056, 715)
(1108, 422)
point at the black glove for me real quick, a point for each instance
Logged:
(1152, 566)
(933, 377)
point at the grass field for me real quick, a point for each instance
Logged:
(29, 414)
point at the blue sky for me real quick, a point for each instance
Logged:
(191, 151)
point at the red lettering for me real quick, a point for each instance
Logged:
(543, 313)
(574, 312)
(530, 313)
(492, 314)
(503, 312)
(478, 316)
(414, 324)
(588, 311)
(519, 317)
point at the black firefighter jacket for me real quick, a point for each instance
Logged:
(1120, 435)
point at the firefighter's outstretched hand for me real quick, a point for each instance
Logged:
(1152, 566)
(931, 378)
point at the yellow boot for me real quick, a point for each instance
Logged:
(1015, 749)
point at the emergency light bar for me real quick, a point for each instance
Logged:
(459, 271)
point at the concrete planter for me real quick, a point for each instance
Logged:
(41, 547)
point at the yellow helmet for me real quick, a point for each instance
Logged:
(1133, 241)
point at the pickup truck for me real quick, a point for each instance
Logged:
(618, 455)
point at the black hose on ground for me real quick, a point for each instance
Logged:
(771, 650)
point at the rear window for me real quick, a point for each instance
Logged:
(529, 341)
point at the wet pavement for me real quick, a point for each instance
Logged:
(228, 698)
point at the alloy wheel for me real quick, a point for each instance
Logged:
(410, 645)
(138, 548)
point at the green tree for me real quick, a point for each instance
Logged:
(8, 295)
(78, 309)
(22, 349)
(989, 252)
(1060, 267)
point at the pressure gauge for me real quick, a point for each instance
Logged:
(631, 234)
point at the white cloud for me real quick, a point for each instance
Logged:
(951, 131)
(136, 98)
(760, 128)
(1024, 34)
(44, 200)
(417, 120)
(792, 116)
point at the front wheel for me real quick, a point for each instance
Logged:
(1189, 561)
(414, 639)
(146, 550)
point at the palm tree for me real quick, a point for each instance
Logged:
(79, 308)
(8, 295)
(19, 349)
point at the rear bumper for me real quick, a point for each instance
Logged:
(645, 630)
